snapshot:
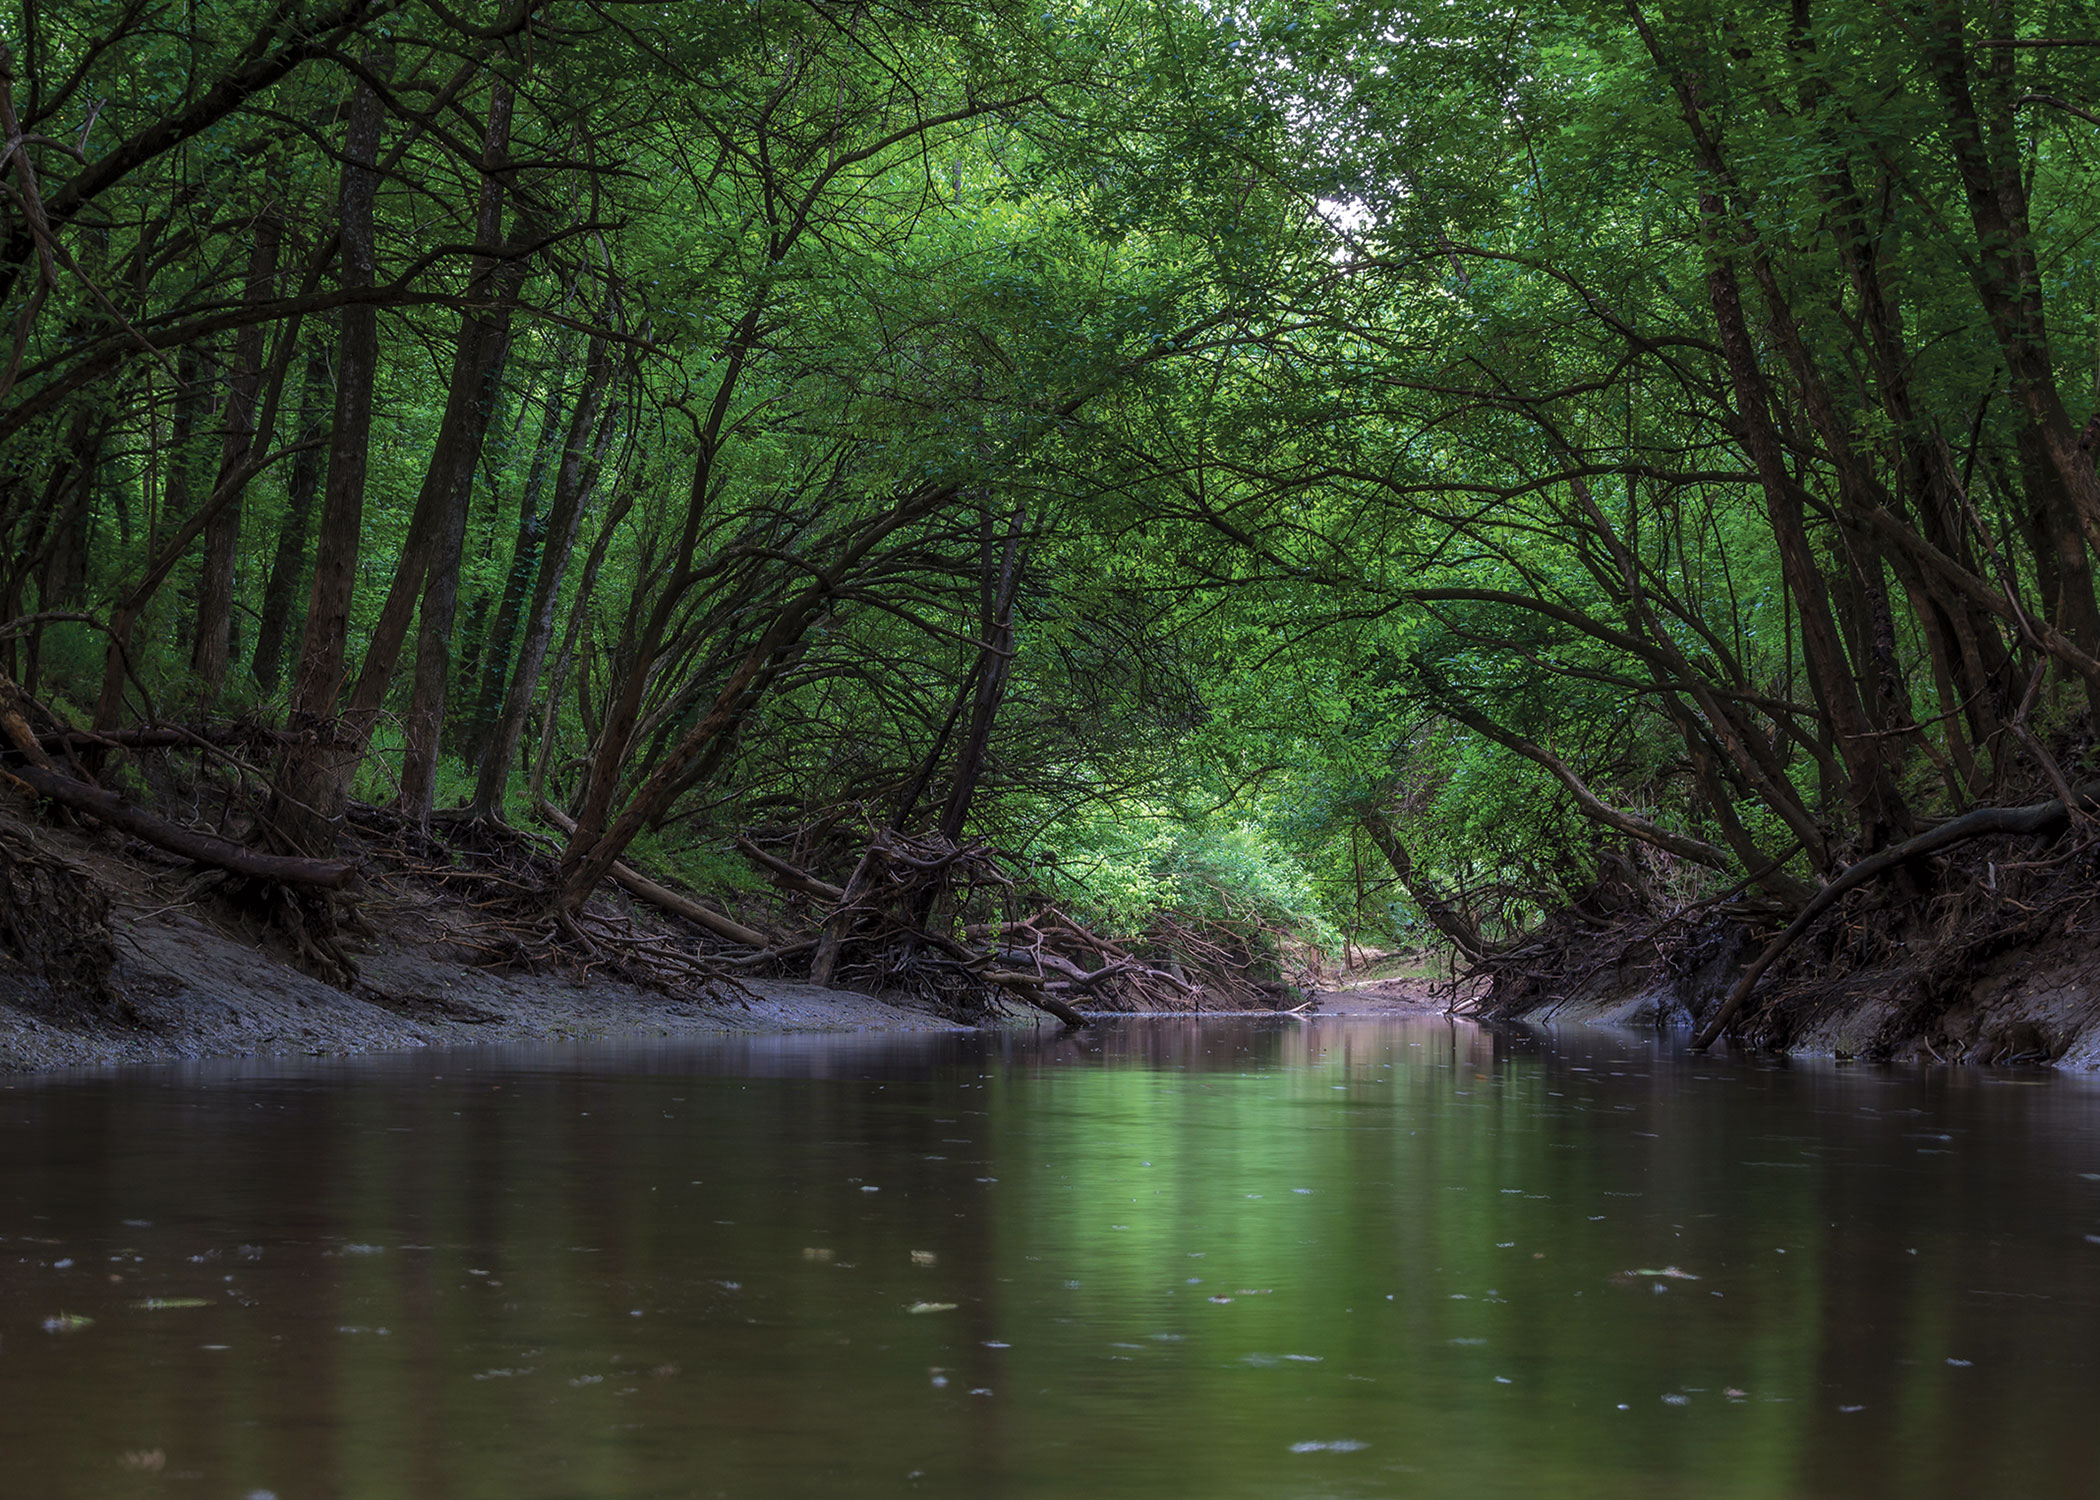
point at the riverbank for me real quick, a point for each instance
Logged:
(184, 970)
(1932, 997)
(189, 971)
(189, 989)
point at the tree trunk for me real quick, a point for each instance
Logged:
(478, 367)
(1446, 918)
(1984, 137)
(312, 780)
(288, 563)
(483, 341)
(572, 486)
(213, 646)
(519, 578)
(996, 658)
(600, 838)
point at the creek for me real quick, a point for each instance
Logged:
(1167, 1258)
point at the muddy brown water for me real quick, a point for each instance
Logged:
(1339, 1258)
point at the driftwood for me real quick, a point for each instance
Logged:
(635, 883)
(1985, 821)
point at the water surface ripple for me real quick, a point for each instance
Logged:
(1253, 1258)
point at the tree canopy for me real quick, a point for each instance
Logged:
(1349, 470)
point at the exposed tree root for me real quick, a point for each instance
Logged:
(955, 924)
(1981, 823)
(54, 925)
(1907, 962)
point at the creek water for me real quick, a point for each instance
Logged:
(1226, 1258)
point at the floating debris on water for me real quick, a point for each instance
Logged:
(931, 1307)
(1337, 1445)
(168, 1304)
(66, 1322)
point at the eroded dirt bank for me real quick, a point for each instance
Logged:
(1922, 997)
(191, 990)
(193, 978)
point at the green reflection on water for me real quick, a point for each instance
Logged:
(1232, 1259)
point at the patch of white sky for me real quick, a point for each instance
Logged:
(1325, 104)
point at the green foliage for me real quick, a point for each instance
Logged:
(1352, 385)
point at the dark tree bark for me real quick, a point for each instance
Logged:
(311, 781)
(601, 838)
(482, 356)
(1453, 923)
(495, 656)
(212, 649)
(1001, 582)
(572, 486)
(288, 563)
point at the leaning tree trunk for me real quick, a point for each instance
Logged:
(1453, 923)
(983, 689)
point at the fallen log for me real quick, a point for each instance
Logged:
(2038, 818)
(635, 883)
(1030, 988)
(43, 778)
(204, 848)
(166, 737)
(788, 876)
